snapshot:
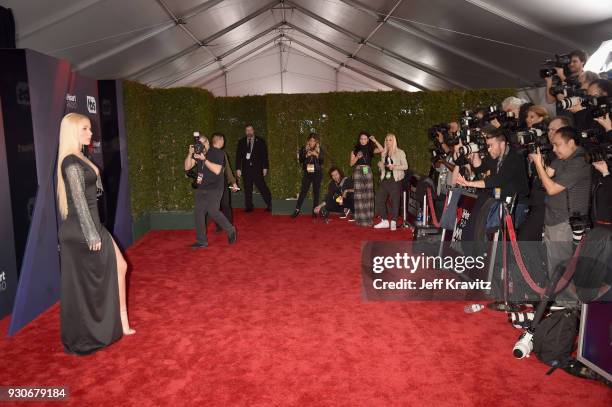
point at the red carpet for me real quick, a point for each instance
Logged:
(278, 319)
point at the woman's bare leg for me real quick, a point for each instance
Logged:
(121, 272)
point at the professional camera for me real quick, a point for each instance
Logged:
(560, 61)
(198, 146)
(507, 120)
(467, 149)
(531, 140)
(596, 150)
(569, 89)
(438, 154)
(576, 100)
(470, 148)
(524, 345)
(599, 152)
(600, 106)
(442, 128)
(469, 120)
(579, 225)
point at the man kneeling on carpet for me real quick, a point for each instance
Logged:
(339, 196)
(210, 185)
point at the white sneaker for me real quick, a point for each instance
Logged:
(384, 224)
(393, 225)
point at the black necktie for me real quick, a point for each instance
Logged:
(250, 143)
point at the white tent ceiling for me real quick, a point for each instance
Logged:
(238, 47)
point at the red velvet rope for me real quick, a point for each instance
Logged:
(434, 218)
(565, 278)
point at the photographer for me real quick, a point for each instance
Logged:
(567, 182)
(533, 226)
(339, 196)
(209, 163)
(598, 89)
(442, 159)
(584, 116)
(577, 59)
(517, 107)
(503, 168)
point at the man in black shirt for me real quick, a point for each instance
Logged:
(208, 194)
(504, 172)
(252, 165)
(339, 196)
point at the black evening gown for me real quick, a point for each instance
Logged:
(89, 300)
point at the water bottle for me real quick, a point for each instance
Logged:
(472, 308)
(419, 219)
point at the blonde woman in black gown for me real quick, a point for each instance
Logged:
(93, 307)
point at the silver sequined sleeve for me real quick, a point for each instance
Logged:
(75, 178)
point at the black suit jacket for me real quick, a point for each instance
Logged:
(259, 155)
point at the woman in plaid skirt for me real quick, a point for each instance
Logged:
(361, 161)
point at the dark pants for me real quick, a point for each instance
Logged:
(347, 203)
(207, 203)
(533, 226)
(252, 176)
(307, 179)
(388, 188)
(226, 207)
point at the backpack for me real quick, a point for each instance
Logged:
(554, 338)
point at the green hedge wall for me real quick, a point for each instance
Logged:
(160, 122)
(137, 105)
(159, 126)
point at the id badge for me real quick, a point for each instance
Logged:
(200, 178)
(248, 156)
(310, 168)
(339, 200)
(388, 175)
(365, 169)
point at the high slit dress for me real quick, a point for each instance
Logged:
(89, 298)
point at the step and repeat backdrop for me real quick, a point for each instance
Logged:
(36, 91)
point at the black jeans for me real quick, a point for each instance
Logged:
(388, 188)
(226, 207)
(308, 178)
(255, 176)
(207, 203)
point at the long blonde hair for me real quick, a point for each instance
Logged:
(393, 148)
(68, 144)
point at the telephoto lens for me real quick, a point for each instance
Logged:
(523, 346)
(569, 102)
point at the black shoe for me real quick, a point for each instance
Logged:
(248, 210)
(198, 245)
(232, 236)
(295, 213)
